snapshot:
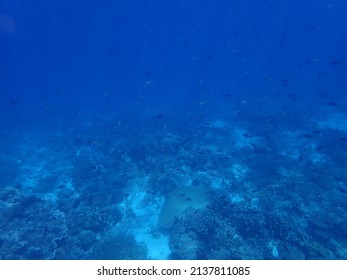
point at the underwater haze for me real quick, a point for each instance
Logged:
(173, 129)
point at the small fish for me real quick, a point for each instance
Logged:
(335, 62)
(14, 102)
(342, 189)
(161, 116)
(147, 83)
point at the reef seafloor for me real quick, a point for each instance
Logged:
(168, 188)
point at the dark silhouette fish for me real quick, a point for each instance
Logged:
(14, 102)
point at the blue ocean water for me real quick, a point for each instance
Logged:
(173, 129)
